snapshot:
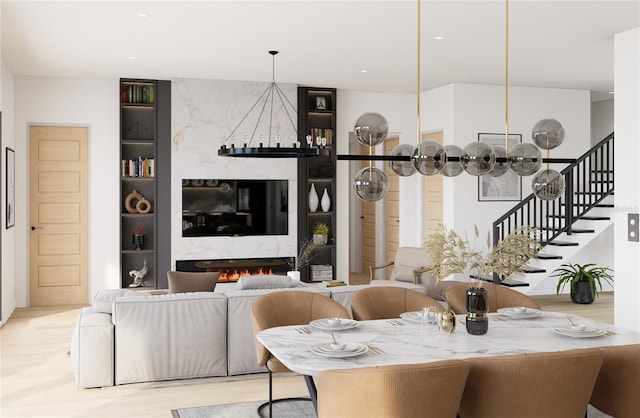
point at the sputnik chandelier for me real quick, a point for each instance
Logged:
(477, 159)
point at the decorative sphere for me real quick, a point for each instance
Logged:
(453, 168)
(429, 158)
(526, 159)
(548, 133)
(548, 185)
(371, 129)
(402, 168)
(478, 158)
(500, 167)
(370, 184)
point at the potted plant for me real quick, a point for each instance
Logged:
(305, 255)
(320, 233)
(585, 280)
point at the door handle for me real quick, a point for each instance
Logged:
(33, 227)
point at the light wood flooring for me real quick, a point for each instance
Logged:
(37, 381)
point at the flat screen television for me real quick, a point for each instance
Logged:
(216, 207)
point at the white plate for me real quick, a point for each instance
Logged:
(351, 350)
(588, 332)
(514, 314)
(324, 324)
(415, 316)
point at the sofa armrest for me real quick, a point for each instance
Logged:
(372, 268)
(92, 349)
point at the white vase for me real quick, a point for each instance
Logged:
(313, 199)
(325, 202)
(295, 275)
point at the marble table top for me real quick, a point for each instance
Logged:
(398, 341)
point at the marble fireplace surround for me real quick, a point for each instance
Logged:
(203, 113)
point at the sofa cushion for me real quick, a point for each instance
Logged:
(271, 281)
(182, 281)
(103, 300)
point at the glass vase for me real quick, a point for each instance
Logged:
(477, 308)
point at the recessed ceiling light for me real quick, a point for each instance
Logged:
(131, 58)
(438, 38)
(143, 15)
(611, 92)
(364, 71)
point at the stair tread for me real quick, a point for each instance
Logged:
(529, 269)
(563, 243)
(595, 218)
(582, 231)
(548, 257)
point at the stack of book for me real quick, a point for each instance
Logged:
(139, 167)
(321, 272)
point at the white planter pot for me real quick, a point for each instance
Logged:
(319, 239)
(295, 275)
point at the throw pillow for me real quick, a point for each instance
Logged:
(103, 300)
(270, 281)
(182, 281)
(403, 273)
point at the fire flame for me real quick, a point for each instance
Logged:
(234, 275)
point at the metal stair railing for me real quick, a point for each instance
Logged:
(588, 181)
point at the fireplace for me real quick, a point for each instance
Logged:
(232, 269)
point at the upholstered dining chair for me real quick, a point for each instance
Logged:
(282, 308)
(399, 391)
(384, 302)
(550, 385)
(182, 281)
(499, 297)
(616, 392)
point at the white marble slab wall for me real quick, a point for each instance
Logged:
(203, 112)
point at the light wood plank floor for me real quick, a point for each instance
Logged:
(37, 381)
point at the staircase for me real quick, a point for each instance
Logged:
(578, 221)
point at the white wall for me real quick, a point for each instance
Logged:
(481, 108)
(202, 113)
(400, 112)
(601, 120)
(7, 105)
(84, 102)
(627, 153)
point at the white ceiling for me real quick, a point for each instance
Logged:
(563, 44)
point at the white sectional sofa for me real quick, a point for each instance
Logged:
(128, 337)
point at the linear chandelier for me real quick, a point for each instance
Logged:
(477, 159)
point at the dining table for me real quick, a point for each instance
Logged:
(412, 339)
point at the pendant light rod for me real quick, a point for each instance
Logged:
(418, 77)
(506, 79)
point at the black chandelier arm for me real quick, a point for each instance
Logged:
(249, 112)
(352, 157)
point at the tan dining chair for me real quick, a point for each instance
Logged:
(399, 391)
(384, 302)
(282, 308)
(616, 392)
(183, 281)
(550, 385)
(499, 297)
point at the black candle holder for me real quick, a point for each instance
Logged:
(138, 241)
(477, 307)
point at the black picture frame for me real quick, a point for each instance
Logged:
(507, 187)
(11, 188)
